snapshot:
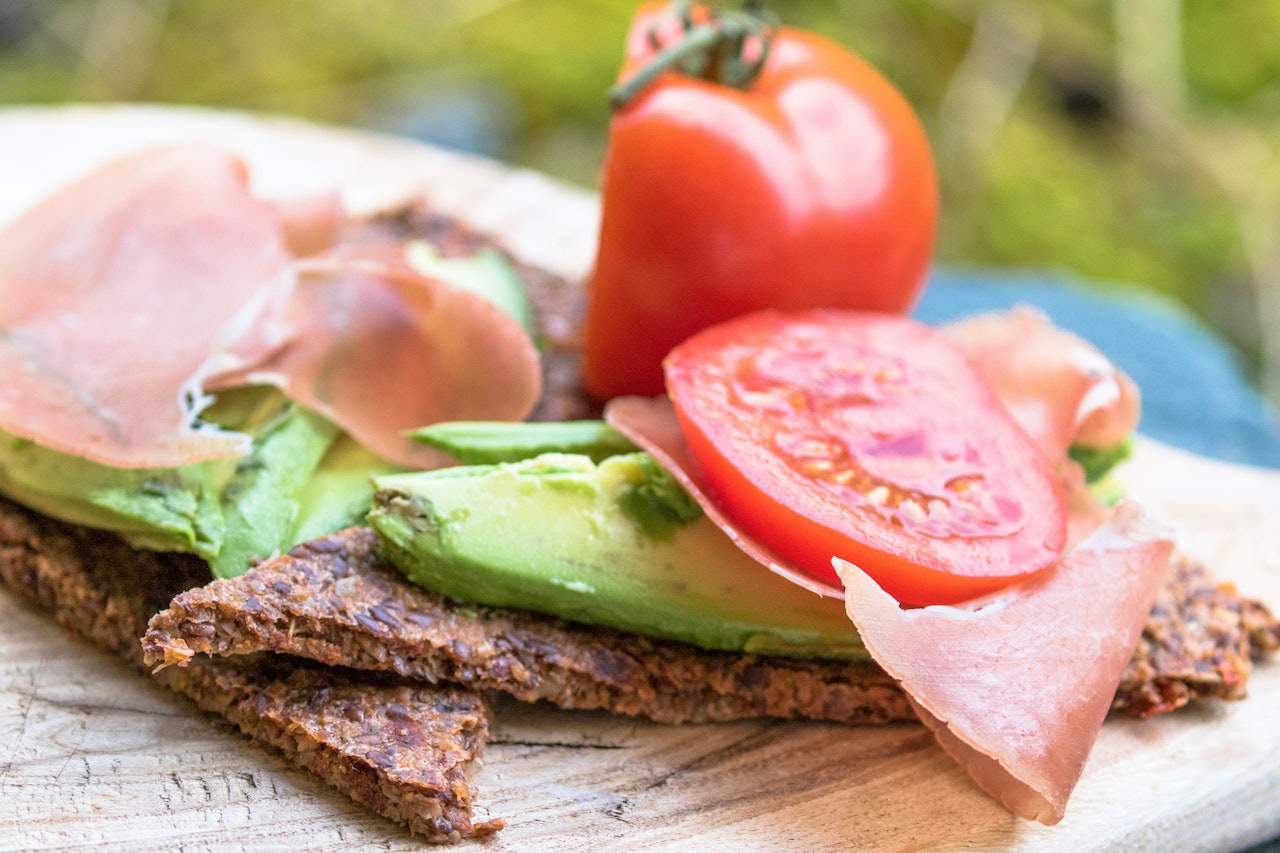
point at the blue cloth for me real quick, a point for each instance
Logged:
(1194, 393)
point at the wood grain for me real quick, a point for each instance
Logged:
(93, 755)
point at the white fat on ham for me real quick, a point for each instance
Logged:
(110, 292)
(379, 348)
(1016, 687)
(1057, 386)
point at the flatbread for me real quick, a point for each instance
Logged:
(404, 750)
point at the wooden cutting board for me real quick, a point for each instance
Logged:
(94, 755)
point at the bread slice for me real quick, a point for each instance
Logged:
(404, 750)
(336, 601)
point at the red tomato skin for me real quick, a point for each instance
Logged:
(814, 187)
(936, 422)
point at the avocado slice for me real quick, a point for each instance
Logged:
(486, 274)
(340, 490)
(487, 442)
(610, 543)
(260, 503)
(170, 509)
(162, 509)
(225, 511)
(1098, 462)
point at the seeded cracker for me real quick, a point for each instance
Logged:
(406, 751)
(336, 601)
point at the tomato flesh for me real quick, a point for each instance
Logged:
(813, 187)
(869, 437)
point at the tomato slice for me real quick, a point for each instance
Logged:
(871, 438)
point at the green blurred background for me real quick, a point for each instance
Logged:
(1124, 141)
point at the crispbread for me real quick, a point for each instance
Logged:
(337, 601)
(406, 751)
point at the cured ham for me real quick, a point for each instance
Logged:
(1016, 688)
(131, 295)
(110, 292)
(378, 348)
(1058, 387)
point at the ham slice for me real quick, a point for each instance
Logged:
(102, 336)
(311, 225)
(1057, 386)
(129, 296)
(651, 423)
(1016, 688)
(379, 348)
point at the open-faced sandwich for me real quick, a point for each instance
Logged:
(488, 576)
(335, 476)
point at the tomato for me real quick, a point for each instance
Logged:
(814, 186)
(871, 438)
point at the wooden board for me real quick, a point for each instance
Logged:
(94, 755)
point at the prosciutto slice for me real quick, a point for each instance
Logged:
(1057, 386)
(128, 297)
(378, 348)
(1016, 688)
(102, 336)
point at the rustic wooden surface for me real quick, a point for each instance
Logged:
(95, 756)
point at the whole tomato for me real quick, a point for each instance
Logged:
(812, 185)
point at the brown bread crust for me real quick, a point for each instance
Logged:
(335, 600)
(1197, 644)
(405, 751)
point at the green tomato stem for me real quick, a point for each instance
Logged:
(713, 50)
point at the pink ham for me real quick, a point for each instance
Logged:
(1055, 384)
(379, 348)
(128, 296)
(312, 224)
(101, 335)
(1016, 689)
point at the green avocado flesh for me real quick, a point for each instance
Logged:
(611, 543)
(227, 511)
(485, 274)
(168, 509)
(1098, 462)
(173, 509)
(260, 503)
(302, 478)
(340, 490)
(487, 442)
